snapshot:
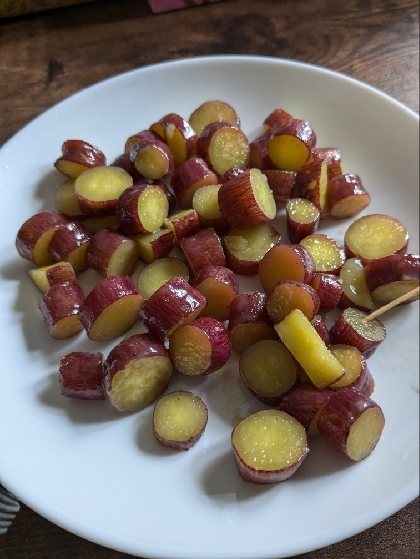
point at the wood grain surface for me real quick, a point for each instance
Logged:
(45, 57)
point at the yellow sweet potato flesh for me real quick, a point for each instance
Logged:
(152, 208)
(287, 297)
(205, 201)
(116, 319)
(269, 440)
(302, 210)
(365, 433)
(152, 163)
(190, 350)
(263, 195)
(70, 168)
(66, 199)
(124, 259)
(179, 416)
(325, 251)
(288, 152)
(103, 183)
(219, 296)
(391, 291)
(228, 148)
(303, 341)
(376, 236)
(268, 368)
(40, 254)
(140, 383)
(351, 361)
(77, 258)
(66, 327)
(212, 111)
(244, 335)
(155, 274)
(176, 143)
(252, 243)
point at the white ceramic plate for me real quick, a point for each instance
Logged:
(99, 473)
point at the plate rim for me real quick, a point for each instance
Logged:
(407, 497)
(212, 58)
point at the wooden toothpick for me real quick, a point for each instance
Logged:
(413, 293)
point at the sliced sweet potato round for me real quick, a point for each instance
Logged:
(179, 419)
(302, 219)
(78, 156)
(374, 236)
(174, 304)
(327, 253)
(268, 370)
(393, 276)
(35, 235)
(356, 372)
(291, 145)
(223, 146)
(268, 446)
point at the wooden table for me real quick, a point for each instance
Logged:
(47, 56)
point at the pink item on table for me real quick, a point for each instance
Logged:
(158, 6)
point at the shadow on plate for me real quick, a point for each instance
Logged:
(46, 187)
(322, 460)
(226, 395)
(145, 439)
(228, 487)
(78, 411)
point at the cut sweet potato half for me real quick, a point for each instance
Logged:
(174, 304)
(302, 219)
(219, 286)
(249, 321)
(111, 308)
(352, 328)
(136, 372)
